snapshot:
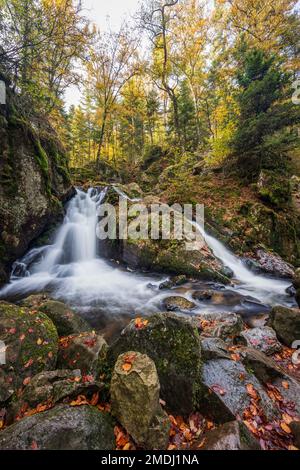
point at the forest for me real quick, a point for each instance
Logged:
(141, 344)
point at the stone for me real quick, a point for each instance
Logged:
(286, 322)
(61, 428)
(173, 343)
(229, 436)
(54, 387)
(267, 371)
(272, 263)
(174, 281)
(202, 295)
(31, 343)
(66, 321)
(262, 338)
(226, 396)
(135, 401)
(86, 351)
(221, 325)
(296, 280)
(172, 304)
(214, 348)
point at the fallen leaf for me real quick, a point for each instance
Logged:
(28, 363)
(252, 392)
(127, 366)
(34, 445)
(22, 337)
(285, 427)
(39, 342)
(285, 385)
(26, 381)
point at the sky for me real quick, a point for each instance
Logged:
(102, 13)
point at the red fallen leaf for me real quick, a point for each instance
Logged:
(34, 445)
(30, 330)
(12, 331)
(22, 337)
(95, 399)
(50, 354)
(235, 357)
(285, 385)
(140, 323)
(127, 367)
(87, 378)
(90, 342)
(26, 381)
(28, 363)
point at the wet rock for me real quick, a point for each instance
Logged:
(214, 348)
(296, 280)
(135, 401)
(173, 282)
(226, 396)
(202, 295)
(262, 338)
(230, 436)
(286, 323)
(31, 343)
(66, 321)
(86, 351)
(173, 344)
(172, 304)
(51, 387)
(222, 325)
(35, 301)
(61, 428)
(271, 263)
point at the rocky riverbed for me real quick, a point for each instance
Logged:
(168, 381)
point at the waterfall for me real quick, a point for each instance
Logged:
(72, 270)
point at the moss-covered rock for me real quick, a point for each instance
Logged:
(62, 428)
(286, 322)
(174, 346)
(31, 343)
(274, 188)
(66, 321)
(135, 401)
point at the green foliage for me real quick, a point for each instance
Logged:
(266, 117)
(187, 117)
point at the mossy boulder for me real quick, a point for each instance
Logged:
(61, 428)
(31, 342)
(67, 322)
(135, 401)
(85, 351)
(286, 322)
(174, 346)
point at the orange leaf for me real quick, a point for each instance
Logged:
(252, 392)
(287, 418)
(26, 381)
(28, 363)
(285, 427)
(285, 385)
(22, 337)
(126, 367)
(34, 445)
(127, 446)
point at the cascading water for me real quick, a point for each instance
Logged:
(71, 270)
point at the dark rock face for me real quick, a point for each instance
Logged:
(85, 351)
(31, 342)
(230, 436)
(62, 428)
(286, 323)
(135, 401)
(271, 263)
(262, 338)
(226, 396)
(51, 386)
(174, 346)
(34, 181)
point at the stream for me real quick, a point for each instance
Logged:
(107, 294)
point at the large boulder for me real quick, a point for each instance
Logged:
(262, 338)
(272, 263)
(225, 393)
(286, 322)
(67, 322)
(135, 401)
(226, 326)
(49, 388)
(62, 428)
(34, 179)
(229, 436)
(86, 351)
(174, 346)
(31, 343)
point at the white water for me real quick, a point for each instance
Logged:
(72, 271)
